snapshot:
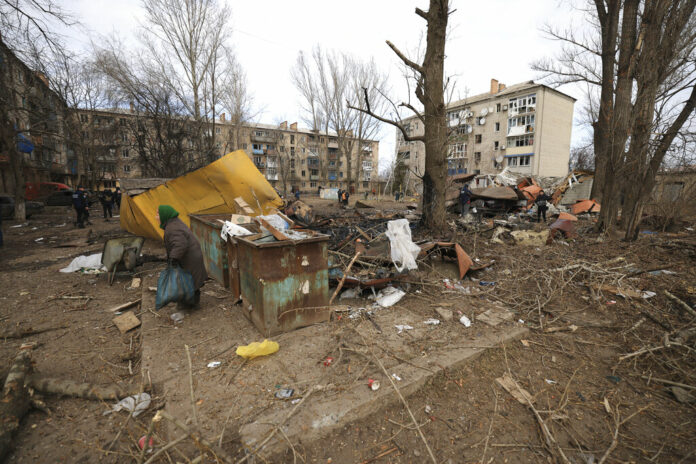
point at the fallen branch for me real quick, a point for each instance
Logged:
(79, 390)
(617, 425)
(343, 279)
(681, 303)
(668, 382)
(123, 306)
(21, 333)
(280, 424)
(403, 400)
(15, 400)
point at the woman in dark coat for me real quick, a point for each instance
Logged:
(182, 246)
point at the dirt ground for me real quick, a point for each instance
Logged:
(589, 403)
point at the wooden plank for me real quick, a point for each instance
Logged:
(276, 233)
(514, 389)
(123, 306)
(126, 321)
(243, 206)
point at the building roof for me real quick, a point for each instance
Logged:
(528, 85)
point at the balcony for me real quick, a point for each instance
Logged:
(262, 138)
(257, 151)
(367, 167)
(270, 176)
(332, 156)
(453, 172)
(260, 165)
(333, 178)
(314, 177)
(333, 145)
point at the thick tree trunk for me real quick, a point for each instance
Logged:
(17, 165)
(15, 400)
(433, 99)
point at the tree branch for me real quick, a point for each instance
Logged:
(408, 138)
(422, 14)
(411, 64)
(410, 107)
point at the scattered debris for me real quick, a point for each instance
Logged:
(135, 283)
(465, 320)
(373, 384)
(214, 364)
(284, 393)
(389, 296)
(135, 404)
(401, 327)
(431, 321)
(513, 388)
(403, 251)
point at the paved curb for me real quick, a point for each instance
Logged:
(318, 418)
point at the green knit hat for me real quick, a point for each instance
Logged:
(166, 213)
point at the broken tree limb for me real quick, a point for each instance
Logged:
(123, 306)
(668, 382)
(681, 303)
(343, 279)
(79, 390)
(21, 333)
(15, 401)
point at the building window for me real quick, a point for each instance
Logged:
(479, 137)
(340, 174)
(525, 160)
(496, 145)
(126, 168)
(292, 163)
(497, 124)
(497, 108)
(512, 161)
(217, 130)
(125, 153)
(259, 133)
(521, 141)
(304, 173)
(84, 118)
(282, 149)
(292, 151)
(122, 121)
(303, 150)
(292, 138)
(477, 157)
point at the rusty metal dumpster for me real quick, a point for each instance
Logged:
(284, 284)
(206, 228)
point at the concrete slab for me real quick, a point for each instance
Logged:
(319, 417)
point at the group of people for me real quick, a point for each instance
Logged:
(81, 201)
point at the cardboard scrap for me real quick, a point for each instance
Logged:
(514, 389)
(126, 321)
(240, 219)
(243, 206)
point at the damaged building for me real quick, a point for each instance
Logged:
(525, 128)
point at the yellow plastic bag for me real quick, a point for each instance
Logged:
(256, 349)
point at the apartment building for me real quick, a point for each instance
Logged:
(290, 158)
(525, 127)
(31, 116)
(293, 158)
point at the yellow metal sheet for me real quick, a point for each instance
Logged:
(208, 190)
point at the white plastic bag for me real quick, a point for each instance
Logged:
(134, 404)
(403, 251)
(233, 230)
(389, 296)
(85, 262)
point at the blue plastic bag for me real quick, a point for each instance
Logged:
(174, 285)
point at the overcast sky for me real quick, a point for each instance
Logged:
(488, 39)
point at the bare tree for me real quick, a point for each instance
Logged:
(236, 100)
(186, 37)
(25, 27)
(158, 126)
(639, 48)
(430, 91)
